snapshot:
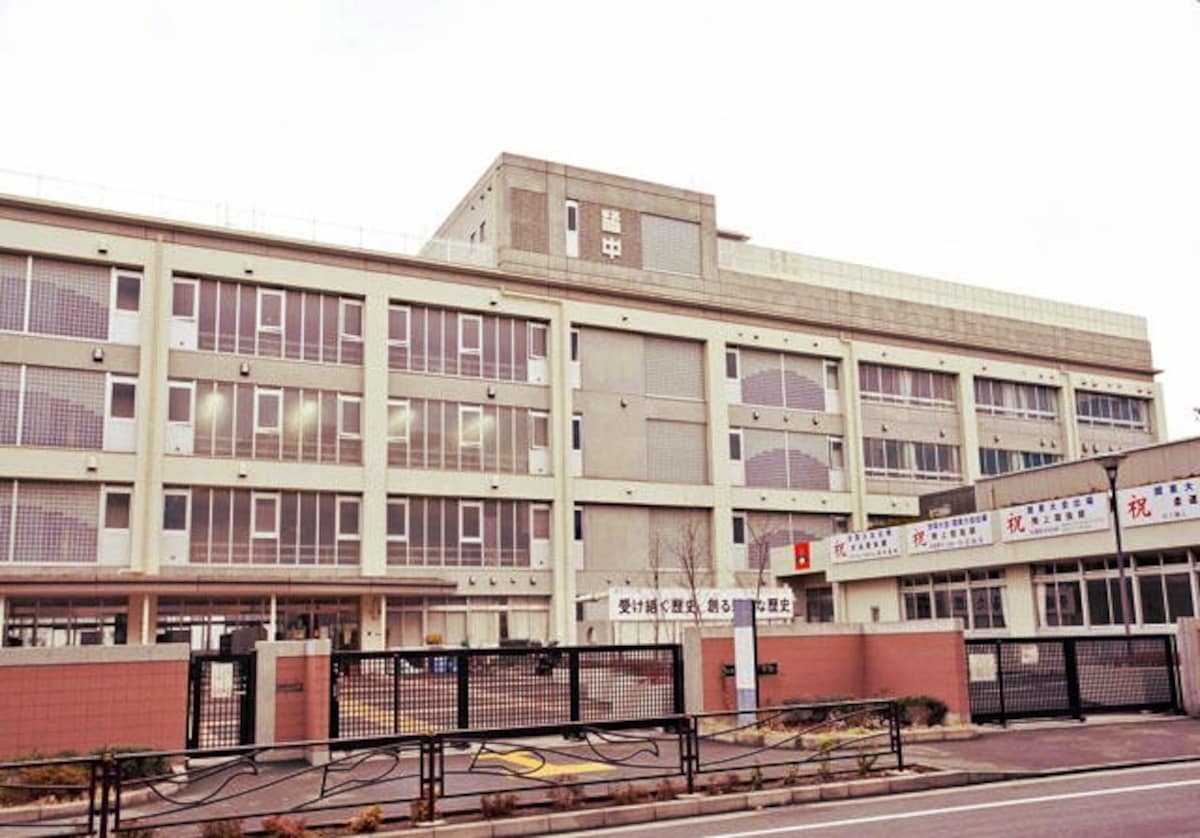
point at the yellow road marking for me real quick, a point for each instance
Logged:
(378, 715)
(526, 761)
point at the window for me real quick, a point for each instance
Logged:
(537, 340)
(470, 334)
(732, 364)
(347, 519)
(905, 460)
(470, 522)
(350, 315)
(117, 503)
(183, 298)
(539, 430)
(1009, 398)
(1000, 461)
(575, 345)
(397, 520)
(578, 524)
(470, 426)
(175, 511)
(577, 432)
(572, 228)
(398, 420)
(270, 311)
(264, 515)
(739, 529)
(482, 232)
(1102, 410)
(123, 397)
(899, 385)
(837, 454)
(540, 520)
(179, 402)
(976, 597)
(832, 376)
(128, 292)
(735, 445)
(818, 604)
(268, 413)
(349, 417)
(398, 325)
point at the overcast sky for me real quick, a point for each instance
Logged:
(1048, 147)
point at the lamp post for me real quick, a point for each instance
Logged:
(1111, 464)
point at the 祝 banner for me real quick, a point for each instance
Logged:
(1159, 503)
(1062, 516)
(869, 544)
(972, 530)
(643, 604)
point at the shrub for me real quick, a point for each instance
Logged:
(756, 778)
(136, 768)
(368, 820)
(278, 826)
(498, 805)
(865, 763)
(627, 794)
(230, 828)
(135, 833)
(792, 775)
(420, 810)
(918, 709)
(41, 782)
(665, 790)
(724, 784)
(565, 795)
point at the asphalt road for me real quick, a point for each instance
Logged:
(1158, 801)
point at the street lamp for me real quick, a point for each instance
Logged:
(1111, 464)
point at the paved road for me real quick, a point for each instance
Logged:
(1159, 801)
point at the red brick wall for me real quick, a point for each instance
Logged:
(303, 714)
(83, 706)
(850, 664)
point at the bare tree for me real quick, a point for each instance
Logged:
(656, 559)
(759, 551)
(691, 550)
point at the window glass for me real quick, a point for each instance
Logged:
(735, 446)
(576, 433)
(183, 298)
(347, 517)
(469, 333)
(398, 421)
(179, 404)
(124, 394)
(537, 340)
(471, 520)
(398, 324)
(265, 511)
(578, 524)
(541, 523)
(351, 319)
(270, 311)
(739, 529)
(116, 510)
(397, 520)
(129, 292)
(540, 426)
(351, 417)
(175, 512)
(268, 411)
(731, 364)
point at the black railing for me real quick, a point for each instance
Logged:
(1016, 678)
(221, 699)
(416, 777)
(388, 693)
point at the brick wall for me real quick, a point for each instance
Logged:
(841, 661)
(81, 698)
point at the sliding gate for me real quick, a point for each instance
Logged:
(1014, 678)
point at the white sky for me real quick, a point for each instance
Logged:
(1049, 147)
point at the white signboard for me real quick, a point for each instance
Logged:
(972, 530)
(671, 604)
(1062, 516)
(1159, 503)
(870, 544)
(220, 679)
(981, 667)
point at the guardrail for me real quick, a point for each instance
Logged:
(415, 777)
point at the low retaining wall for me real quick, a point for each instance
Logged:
(84, 697)
(820, 661)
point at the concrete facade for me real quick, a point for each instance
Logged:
(580, 383)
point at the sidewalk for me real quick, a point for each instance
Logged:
(1042, 747)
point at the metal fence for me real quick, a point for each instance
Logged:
(1013, 678)
(221, 697)
(418, 777)
(388, 693)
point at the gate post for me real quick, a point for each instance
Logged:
(1071, 665)
(195, 693)
(335, 722)
(249, 698)
(463, 670)
(677, 706)
(1000, 683)
(573, 671)
(1172, 671)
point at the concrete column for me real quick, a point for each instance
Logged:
(856, 479)
(969, 428)
(1066, 410)
(716, 400)
(372, 620)
(1020, 609)
(562, 524)
(1159, 422)
(142, 620)
(151, 411)
(1187, 638)
(373, 520)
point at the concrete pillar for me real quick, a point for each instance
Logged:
(968, 428)
(1066, 411)
(373, 512)
(1020, 608)
(291, 702)
(721, 527)
(856, 480)
(140, 626)
(151, 412)
(1187, 638)
(562, 515)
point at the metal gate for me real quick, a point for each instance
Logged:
(386, 693)
(1014, 678)
(221, 700)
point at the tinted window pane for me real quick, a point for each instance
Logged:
(123, 394)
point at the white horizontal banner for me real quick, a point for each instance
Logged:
(870, 544)
(649, 604)
(1062, 516)
(1159, 503)
(973, 530)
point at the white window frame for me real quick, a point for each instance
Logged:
(478, 539)
(187, 508)
(107, 492)
(737, 432)
(343, 304)
(407, 407)
(534, 416)
(398, 539)
(405, 342)
(342, 401)
(259, 326)
(463, 349)
(255, 532)
(341, 501)
(113, 380)
(117, 276)
(190, 386)
(736, 354)
(195, 283)
(532, 326)
(259, 428)
(463, 411)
